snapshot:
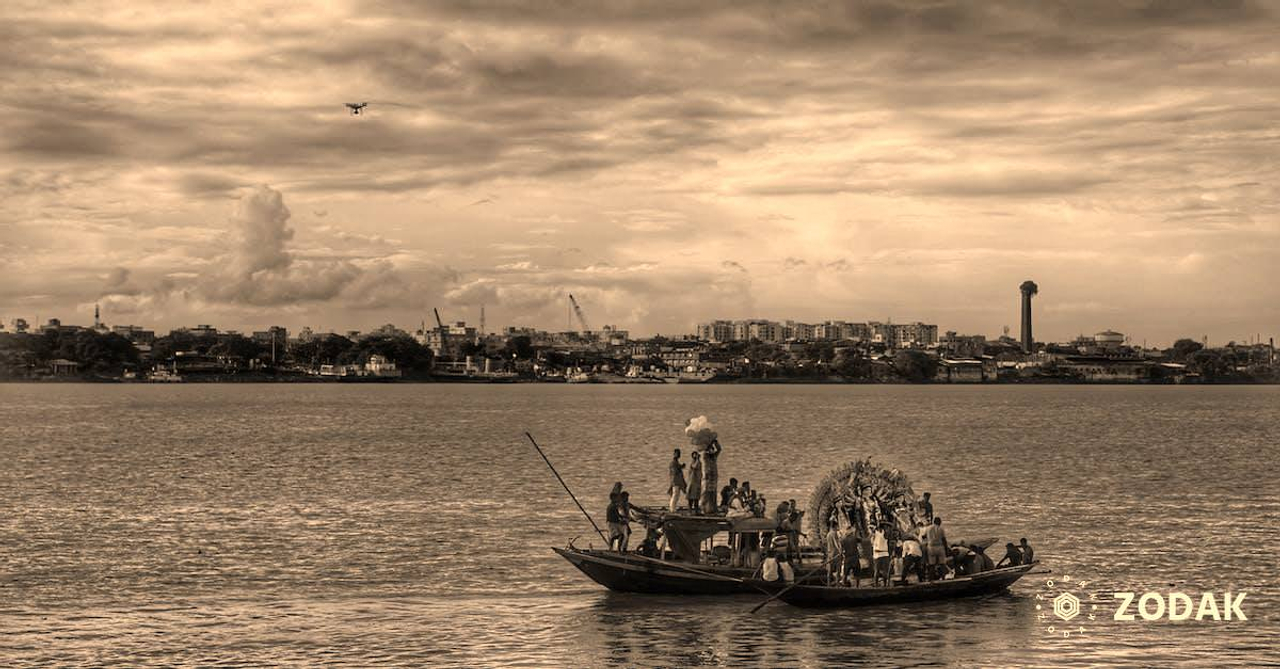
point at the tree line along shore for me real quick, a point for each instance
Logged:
(389, 355)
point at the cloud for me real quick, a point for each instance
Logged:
(259, 270)
(656, 139)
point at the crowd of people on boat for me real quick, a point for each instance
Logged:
(699, 488)
(887, 556)
(876, 532)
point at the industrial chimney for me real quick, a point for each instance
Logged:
(1028, 289)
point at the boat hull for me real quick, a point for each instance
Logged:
(635, 573)
(822, 596)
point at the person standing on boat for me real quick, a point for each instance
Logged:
(782, 550)
(835, 553)
(796, 518)
(783, 515)
(783, 525)
(624, 513)
(866, 555)
(927, 507)
(880, 553)
(678, 488)
(710, 476)
(935, 539)
(695, 482)
(849, 549)
(614, 520)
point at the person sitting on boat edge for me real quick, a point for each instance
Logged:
(1012, 556)
(677, 486)
(740, 504)
(1028, 555)
(727, 492)
(649, 547)
(981, 561)
(963, 557)
(744, 496)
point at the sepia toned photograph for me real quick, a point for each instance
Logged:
(639, 333)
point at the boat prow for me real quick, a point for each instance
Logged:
(825, 596)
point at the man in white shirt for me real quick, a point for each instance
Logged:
(912, 559)
(880, 551)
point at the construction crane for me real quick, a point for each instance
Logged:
(444, 331)
(577, 311)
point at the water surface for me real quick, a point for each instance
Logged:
(260, 524)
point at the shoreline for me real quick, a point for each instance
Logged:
(721, 382)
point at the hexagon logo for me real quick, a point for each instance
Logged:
(1066, 606)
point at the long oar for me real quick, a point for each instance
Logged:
(566, 487)
(789, 587)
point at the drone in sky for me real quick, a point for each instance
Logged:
(356, 107)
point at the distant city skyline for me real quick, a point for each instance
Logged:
(665, 163)
(935, 331)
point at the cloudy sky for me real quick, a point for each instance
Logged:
(664, 162)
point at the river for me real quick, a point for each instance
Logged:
(253, 524)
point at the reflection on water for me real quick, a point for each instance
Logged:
(409, 524)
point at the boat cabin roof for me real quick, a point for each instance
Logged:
(686, 533)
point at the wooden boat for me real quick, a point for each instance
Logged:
(693, 563)
(686, 568)
(632, 572)
(820, 596)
